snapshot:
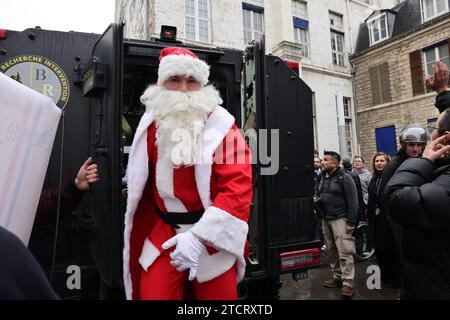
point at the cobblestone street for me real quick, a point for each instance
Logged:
(312, 289)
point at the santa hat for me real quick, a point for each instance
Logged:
(179, 61)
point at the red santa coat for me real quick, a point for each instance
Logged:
(225, 191)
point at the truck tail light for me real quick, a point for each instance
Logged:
(294, 66)
(2, 34)
(300, 259)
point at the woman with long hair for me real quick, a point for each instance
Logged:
(379, 161)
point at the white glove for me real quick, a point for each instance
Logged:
(186, 254)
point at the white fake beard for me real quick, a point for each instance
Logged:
(180, 118)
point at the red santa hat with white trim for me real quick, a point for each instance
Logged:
(175, 61)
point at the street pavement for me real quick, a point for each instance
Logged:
(311, 288)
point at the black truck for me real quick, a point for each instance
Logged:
(97, 81)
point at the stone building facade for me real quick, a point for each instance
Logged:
(389, 76)
(319, 35)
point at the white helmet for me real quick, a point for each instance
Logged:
(414, 133)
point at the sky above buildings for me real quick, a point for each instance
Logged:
(77, 15)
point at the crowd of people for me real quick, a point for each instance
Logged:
(406, 203)
(187, 217)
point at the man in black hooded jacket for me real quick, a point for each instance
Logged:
(387, 235)
(419, 201)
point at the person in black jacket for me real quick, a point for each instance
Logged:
(419, 201)
(439, 84)
(338, 206)
(21, 277)
(379, 162)
(413, 139)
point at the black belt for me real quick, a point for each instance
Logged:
(176, 218)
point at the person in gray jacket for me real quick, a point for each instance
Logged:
(364, 176)
(337, 203)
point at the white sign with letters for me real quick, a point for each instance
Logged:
(28, 124)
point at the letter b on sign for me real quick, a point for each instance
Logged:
(40, 74)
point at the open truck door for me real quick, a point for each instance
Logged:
(278, 124)
(102, 83)
(82, 73)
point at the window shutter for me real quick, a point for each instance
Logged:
(385, 83)
(375, 88)
(417, 81)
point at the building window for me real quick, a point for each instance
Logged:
(253, 18)
(301, 35)
(337, 48)
(348, 126)
(299, 9)
(432, 54)
(337, 39)
(386, 140)
(197, 20)
(380, 84)
(378, 29)
(336, 21)
(433, 8)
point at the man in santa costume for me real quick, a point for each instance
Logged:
(189, 189)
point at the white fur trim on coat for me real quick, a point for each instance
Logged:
(164, 185)
(212, 266)
(225, 232)
(222, 230)
(215, 130)
(174, 65)
(148, 254)
(136, 176)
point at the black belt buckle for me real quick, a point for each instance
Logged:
(177, 218)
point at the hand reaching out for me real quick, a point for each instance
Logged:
(439, 81)
(87, 175)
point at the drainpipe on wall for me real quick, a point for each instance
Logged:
(352, 72)
(356, 125)
(211, 29)
(146, 13)
(341, 124)
(349, 27)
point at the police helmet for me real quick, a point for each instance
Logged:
(414, 133)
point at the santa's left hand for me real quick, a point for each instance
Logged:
(187, 252)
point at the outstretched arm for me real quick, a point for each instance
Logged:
(71, 194)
